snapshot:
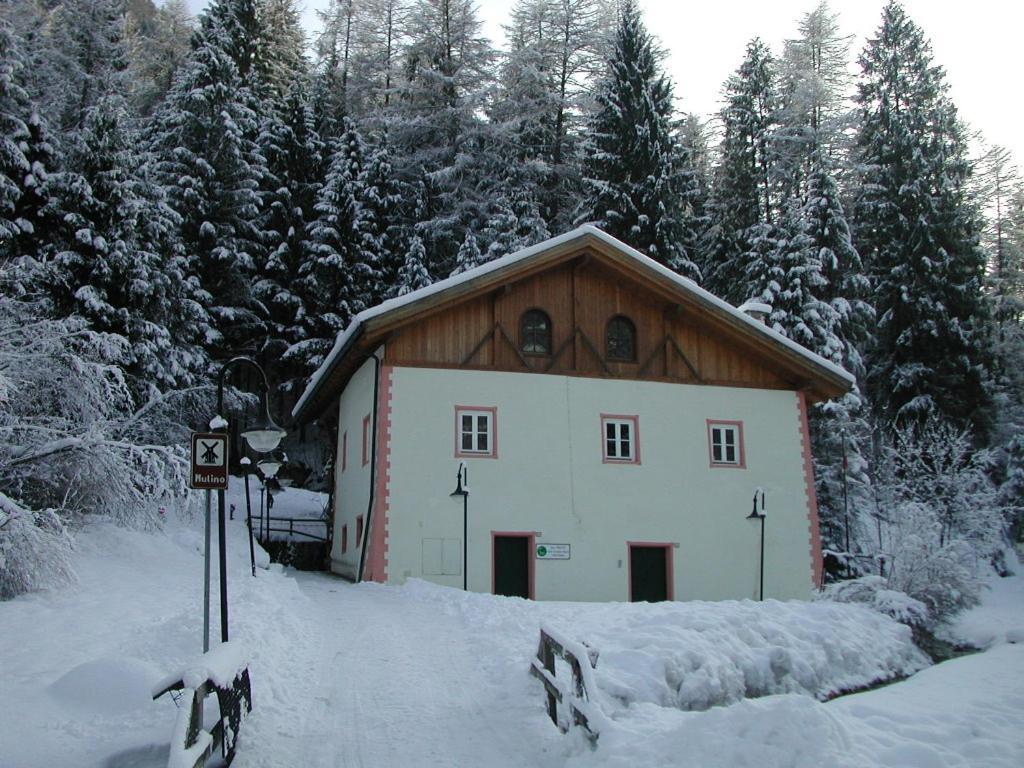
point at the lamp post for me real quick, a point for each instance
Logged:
(270, 465)
(755, 515)
(247, 470)
(462, 489)
(263, 437)
(269, 468)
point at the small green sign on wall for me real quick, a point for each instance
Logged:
(552, 551)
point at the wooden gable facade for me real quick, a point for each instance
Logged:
(580, 296)
(681, 335)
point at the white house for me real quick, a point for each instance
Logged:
(609, 420)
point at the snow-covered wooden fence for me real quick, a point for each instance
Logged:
(581, 661)
(223, 671)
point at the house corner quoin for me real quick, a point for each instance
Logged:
(814, 530)
(377, 559)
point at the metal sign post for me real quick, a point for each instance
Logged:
(209, 471)
(206, 579)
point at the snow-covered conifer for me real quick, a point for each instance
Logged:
(294, 154)
(413, 275)
(281, 59)
(694, 170)
(557, 50)
(630, 174)
(114, 261)
(383, 212)
(340, 274)
(14, 109)
(514, 221)
(80, 57)
(742, 202)
(207, 159)
(469, 256)
(814, 81)
(155, 53)
(37, 212)
(437, 117)
(918, 233)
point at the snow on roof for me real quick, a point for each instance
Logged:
(346, 337)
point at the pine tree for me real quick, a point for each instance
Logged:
(82, 60)
(281, 62)
(342, 268)
(742, 203)
(469, 256)
(207, 160)
(413, 275)
(918, 234)
(522, 122)
(14, 107)
(340, 274)
(790, 271)
(1000, 193)
(156, 53)
(233, 27)
(557, 50)
(36, 211)
(846, 287)
(435, 123)
(384, 216)
(514, 221)
(294, 155)
(335, 47)
(694, 170)
(813, 107)
(633, 184)
(115, 266)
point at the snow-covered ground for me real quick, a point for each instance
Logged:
(348, 675)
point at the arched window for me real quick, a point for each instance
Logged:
(620, 340)
(535, 333)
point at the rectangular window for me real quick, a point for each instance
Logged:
(344, 539)
(366, 439)
(359, 530)
(620, 439)
(725, 444)
(476, 432)
(344, 451)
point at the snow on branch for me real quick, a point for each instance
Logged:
(73, 443)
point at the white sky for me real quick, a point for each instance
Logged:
(977, 42)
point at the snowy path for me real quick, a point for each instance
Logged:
(398, 683)
(419, 676)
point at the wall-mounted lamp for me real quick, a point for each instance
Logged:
(462, 489)
(756, 515)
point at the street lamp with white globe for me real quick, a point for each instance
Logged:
(262, 437)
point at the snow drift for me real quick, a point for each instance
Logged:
(697, 655)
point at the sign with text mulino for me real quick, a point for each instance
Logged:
(209, 466)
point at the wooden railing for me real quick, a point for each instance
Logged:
(191, 744)
(291, 529)
(576, 696)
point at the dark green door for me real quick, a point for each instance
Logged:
(648, 574)
(512, 566)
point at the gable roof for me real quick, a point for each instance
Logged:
(495, 273)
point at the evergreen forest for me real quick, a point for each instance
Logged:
(177, 191)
